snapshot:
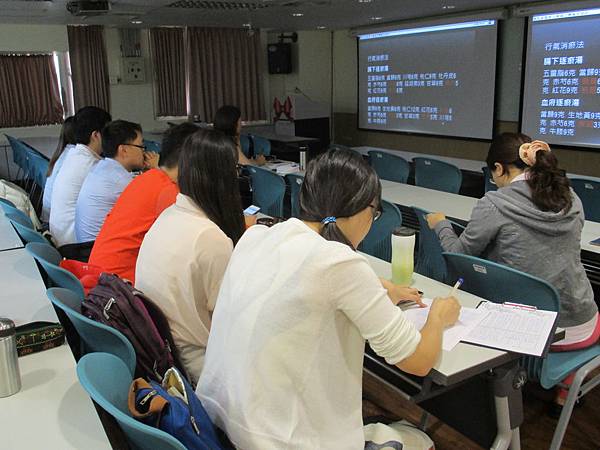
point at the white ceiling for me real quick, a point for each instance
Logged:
(269, 14)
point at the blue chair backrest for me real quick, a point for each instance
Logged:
(268, 191)
(589, 193)
(4, 201)
(262, 146)
(499, 283)
(49, 259)
(487, 178)
(19, 157)
(152, 146)
(25, 229)
(430, 261)
(107, 379)
(245, 144)
(96, 336)
(389, 167)
(378, 241)
(434, 174)
(38, 167)
(17, 215)
(295, 181)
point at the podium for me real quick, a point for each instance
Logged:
(298, 115)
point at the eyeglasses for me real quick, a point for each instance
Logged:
(376, 212)
(143, 147)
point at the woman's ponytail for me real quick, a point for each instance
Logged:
(550, 188)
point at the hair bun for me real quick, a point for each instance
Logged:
(528, 150)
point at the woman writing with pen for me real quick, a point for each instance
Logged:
(283, 366)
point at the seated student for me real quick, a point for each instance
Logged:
(185, 253)
(123, 151)
(118, 242)
(284, 361)
(65, 142)
(228, 119)
(89, 122)
(532, 223)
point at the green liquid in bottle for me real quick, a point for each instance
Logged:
(402, 270)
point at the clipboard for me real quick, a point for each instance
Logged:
(521, 339)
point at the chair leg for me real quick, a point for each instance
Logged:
(423, 421)
(574, 392)
(565, 415)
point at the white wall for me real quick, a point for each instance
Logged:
(134, 102)
(345, 75)
(311, 64)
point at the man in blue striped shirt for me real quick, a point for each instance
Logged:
(123, 151)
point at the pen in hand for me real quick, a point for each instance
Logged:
(458, 284)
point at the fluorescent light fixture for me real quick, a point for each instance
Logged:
(321, 27)
(448, 7)
(566, 14)
(297, 14)
(375, 18)
(136, 22)
(430, 29)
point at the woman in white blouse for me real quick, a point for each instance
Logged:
(283, 367)
(184, 254)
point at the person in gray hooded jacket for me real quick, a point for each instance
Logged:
(532, 223)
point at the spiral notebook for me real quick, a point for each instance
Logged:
(514, 327)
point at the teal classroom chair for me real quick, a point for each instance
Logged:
(389, 167)
(589, 193)
(19, 155)
(378, 241)
(434, 174)
(38, 167)
(49, 258)
(95, 336)
(430, 261)
(106, 378)
(4, 201)
(25, 229)
(487, 179)
(152, 146)
(262, 146)
(268, 191)
(295, 181)
(245, 144)
(16, 213)
(499, 283)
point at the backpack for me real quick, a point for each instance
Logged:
(173, 408)
(116, 303)
(20, 199)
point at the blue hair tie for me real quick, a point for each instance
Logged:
(326, 220)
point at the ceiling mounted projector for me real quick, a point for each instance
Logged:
(88, 8)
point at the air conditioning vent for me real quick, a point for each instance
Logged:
(218, 6)
(88, 8)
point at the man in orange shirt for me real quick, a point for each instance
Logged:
(118, 243)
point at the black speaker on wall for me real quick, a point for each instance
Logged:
(280, 57)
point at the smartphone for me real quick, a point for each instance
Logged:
(251, 210)
(595, 242)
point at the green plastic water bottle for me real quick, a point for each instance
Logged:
(403, 247)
